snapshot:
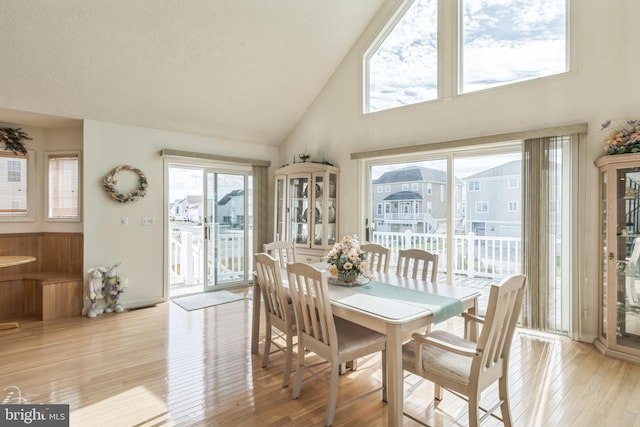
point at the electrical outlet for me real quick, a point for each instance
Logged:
(124, 221)
(148, 220)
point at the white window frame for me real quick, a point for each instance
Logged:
(414, 186)
(387, 188)
(480, 207)
(405, 187)
(30, 214)
(473, 185)
(380, 209)
(512, 206)
(379, 188)
(513, 183)
(47, 196)
(429, 188)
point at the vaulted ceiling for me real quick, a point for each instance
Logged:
(239, 69)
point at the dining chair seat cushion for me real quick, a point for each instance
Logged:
(438, 361)
(352, 336)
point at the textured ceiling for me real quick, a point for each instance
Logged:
(241, 69)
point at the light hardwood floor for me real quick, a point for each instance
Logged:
(164, 366)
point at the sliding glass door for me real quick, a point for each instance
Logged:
(210, 225)
(226, 228)
(488, 212)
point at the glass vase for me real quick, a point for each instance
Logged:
(348, 276)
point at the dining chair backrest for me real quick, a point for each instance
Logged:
(417, 263)
(377, 257)
(503, 311)
(282, 250)
(273, 291)
(314, 319)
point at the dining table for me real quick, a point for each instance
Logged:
(394, 306)
(10, 261)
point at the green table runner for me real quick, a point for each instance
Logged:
(442, 307)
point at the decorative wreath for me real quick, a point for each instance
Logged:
(110, 182)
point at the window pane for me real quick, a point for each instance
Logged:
(508, 41)
(13, 185)
(404, 68)
(63, 186)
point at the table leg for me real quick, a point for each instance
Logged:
(395, 377)
(255, 321)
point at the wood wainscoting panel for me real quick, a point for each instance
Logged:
(27, 244)
(61, 252)
(61, 299)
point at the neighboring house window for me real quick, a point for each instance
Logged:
(414, 186)
(473, 186)
(512, 206)
(14, 170)
(379, 188)
(430, 208)
(405, 187)
(406, 207)
(482, 207)
(416, 207)
(16, 177)
(379, 208)
(63, 189)
(429, 188)
(387, 189)
(510, 41)
(512, 183)
(387, 208)
(401, 66)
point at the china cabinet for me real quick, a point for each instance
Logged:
(619, 314)
(306, 208)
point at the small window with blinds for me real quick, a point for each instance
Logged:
(63, 186)
(13, 185)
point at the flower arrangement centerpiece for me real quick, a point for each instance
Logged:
(346, 260)
(626, 139)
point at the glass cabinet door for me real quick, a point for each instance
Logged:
(299, 209)
(332, 198)
(281, 209)
(627, 328)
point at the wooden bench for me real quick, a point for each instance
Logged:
(49, 288)
(48, 296)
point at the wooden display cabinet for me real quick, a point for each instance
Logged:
(306, 208)
(619, 314)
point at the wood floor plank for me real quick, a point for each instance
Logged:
(164, 366)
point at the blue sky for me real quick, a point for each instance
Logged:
(504, 41)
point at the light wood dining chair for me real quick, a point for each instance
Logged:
(416, 263)
(334, 339)
(465, 367)
(377, 257)
(279, 312)
(282, 250)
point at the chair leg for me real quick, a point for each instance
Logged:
(384, 375)
(300, 370)
(474, 401)
(503, 390)
(267, 346)
(437, 391)
(288, 361)
(333, 392)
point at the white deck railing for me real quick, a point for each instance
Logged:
(473, 256)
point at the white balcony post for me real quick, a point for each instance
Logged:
(186, 258)
(471, 254)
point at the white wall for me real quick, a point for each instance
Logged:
(602, 84)
(140, 249)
